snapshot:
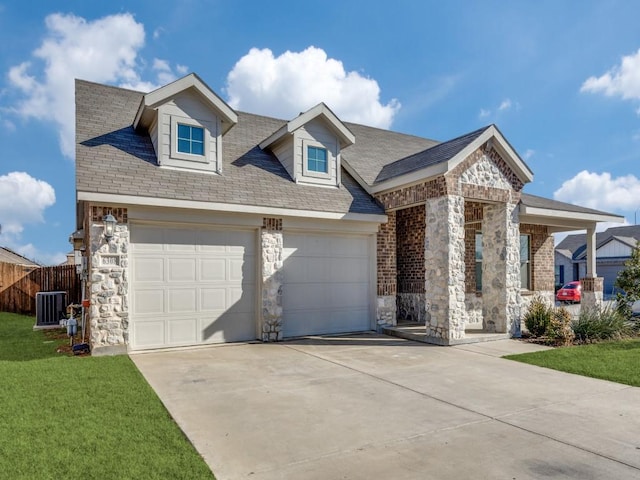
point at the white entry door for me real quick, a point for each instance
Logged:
(327, 284)
(191, 286)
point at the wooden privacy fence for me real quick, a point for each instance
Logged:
(19, 285)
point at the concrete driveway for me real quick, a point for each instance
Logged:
(370, 406)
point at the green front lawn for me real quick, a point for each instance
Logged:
(615, 361)
(82, 417)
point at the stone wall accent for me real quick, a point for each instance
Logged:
(488, 153)
(272, 278)
(386, 257)
(413, 195)
(386, 311)
(486, 173)
(501, 269)
(445, 269)
(412, 307)
(592, 292)
(109, 283)
(473, 307)
(542, 257)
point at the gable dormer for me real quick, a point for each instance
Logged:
(309, 146)
(186, 121)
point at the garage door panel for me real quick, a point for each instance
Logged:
(213, 269)
(199, 287)
(352, 270)
(150, 301)
(349, 295)
(149, 333)
(181, 270)
(148, 269)
(327, 284)
(181, 300)
(145, 239)
(182, 331)
(180, 240)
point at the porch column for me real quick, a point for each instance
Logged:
(501, 269)
(444, 263)
(272, 277)
(592, 285)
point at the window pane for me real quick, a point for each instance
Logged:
(317, 159)
(478, 276)
(478, 246)
(184, 146)
(197, 134)
(184, 131)
(524, 276)
(524, 248)
(197, 148)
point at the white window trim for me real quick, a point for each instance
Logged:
(175, 120)
(305, 160)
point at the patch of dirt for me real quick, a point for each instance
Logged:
(61, 334)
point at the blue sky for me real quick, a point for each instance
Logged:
(560, 79)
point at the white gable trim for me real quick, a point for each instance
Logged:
(226, 207)
(490, 134)
(153, 100)
(345, 136)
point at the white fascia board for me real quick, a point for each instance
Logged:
(226, 207)
(344, 134)
(411, 178)
(153, 100)
(567, 215)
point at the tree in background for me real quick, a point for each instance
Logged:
(629, 282)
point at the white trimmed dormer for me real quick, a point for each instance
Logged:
(309, 146)
(186, 121)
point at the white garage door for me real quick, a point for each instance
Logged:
(327, 284)
(191, 286)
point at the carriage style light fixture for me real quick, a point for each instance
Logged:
(109, 226)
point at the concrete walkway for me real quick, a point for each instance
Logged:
(375, 407)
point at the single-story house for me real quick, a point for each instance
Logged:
(613, 248)
(203, 225)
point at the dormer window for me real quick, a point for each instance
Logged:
(190, 139)
(317, 159)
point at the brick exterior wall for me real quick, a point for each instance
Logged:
(386, 248)
(410, 233)
(542, 257)
(413, 195)
(473, 212)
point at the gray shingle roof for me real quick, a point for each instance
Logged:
(374, 148)
(577, 243)
(439, 153)
(112, 158)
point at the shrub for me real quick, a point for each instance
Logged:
(538, 316)
(559, 328)
(602, 324)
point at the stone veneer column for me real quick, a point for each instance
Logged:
(592, 292)
(386, 272)
(445, 269)
(272, 278)
(108, 278)
(501, 269)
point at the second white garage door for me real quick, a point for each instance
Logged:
(327, 284)
(191, 286)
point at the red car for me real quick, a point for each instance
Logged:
(571, 292)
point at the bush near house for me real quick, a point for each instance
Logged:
(628, 281)
(555, 325)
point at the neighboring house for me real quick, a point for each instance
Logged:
(9, 256)
(231, 226)
(613, 248)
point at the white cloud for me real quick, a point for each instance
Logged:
(284, 86)
(484, 113)
(505, 105)
(23, 200)
(103, 50)
(601, 191)
(622, 80)
(528, 153)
